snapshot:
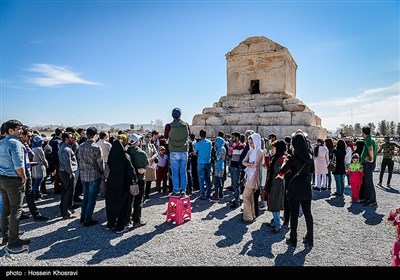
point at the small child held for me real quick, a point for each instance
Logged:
(356, 176)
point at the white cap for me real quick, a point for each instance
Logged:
(134, 138)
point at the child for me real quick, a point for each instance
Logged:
(162, 168)
(356, 175)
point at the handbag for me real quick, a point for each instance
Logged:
(134, 188)
(332, 164)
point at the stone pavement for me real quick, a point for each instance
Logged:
(346, 234)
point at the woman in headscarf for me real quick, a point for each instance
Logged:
(276, 186)
(117, 191)
(299, 188)
(252, 162)
(219, 167)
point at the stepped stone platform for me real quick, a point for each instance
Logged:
(261, 95)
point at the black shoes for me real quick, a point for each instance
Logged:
(19, 243)
(139, 224)
(41, 218)
(24, 216)
(90, 223)
(276, 230)
(290, 242)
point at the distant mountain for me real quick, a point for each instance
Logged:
(99, 126)
(118, 126)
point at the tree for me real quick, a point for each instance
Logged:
(398, 129)
(383, 127)
(372, 126)
(345, 130)
(132, 126)
(158, 125)
(357, 129)
(392, 128)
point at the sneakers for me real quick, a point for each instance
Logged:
(69, 217)
(139, 224)
(90, 223)
(183, 194)
(19, 243)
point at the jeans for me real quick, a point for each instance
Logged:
(235, 173)
(339, 179)
(36, 182)
(204, 170)
(277, 219)
(12, 192)
(178, 162)
(90, 192)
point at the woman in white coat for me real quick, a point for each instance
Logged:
(321, 160)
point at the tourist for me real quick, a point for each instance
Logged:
(68, 168)
(118, 196)
(299, 189)
(12, 183)
(252, 162)
(388, 148)
(177, 133)
(368, 160)
(91, 169)
(139, 162)
(275, 186)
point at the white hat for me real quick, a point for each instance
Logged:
(134, 138)
(299, 131)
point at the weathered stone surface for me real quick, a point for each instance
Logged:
(293, 105)
(258, 58)
(303, 118)
(274, 110)
(214, 110)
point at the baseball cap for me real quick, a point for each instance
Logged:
(176, 112)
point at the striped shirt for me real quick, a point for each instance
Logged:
(90, 161)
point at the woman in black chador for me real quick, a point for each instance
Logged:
(117, 192)
(299, 189)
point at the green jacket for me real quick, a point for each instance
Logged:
(139, 160)
(178, 136)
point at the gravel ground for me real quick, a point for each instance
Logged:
(345, 234)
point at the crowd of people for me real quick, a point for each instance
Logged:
(265, 172)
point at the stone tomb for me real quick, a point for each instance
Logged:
(261, 95)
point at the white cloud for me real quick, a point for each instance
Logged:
(56, 75)
(372, 105)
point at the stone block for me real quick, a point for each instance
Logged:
(293, 105)
(303, 118)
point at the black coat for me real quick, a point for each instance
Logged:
(118, 181)
(299, 186)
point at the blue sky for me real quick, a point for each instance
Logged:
(80, 62)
